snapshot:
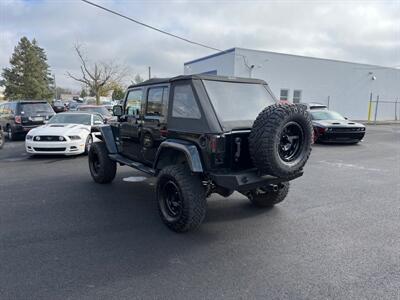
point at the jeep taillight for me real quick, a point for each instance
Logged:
(216, 144)
(17, 119)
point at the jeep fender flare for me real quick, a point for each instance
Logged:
(189, 150)
(107, 136)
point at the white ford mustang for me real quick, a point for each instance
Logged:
(65, 133)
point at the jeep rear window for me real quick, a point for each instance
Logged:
(237, 102)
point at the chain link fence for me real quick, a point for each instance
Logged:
(379, 106)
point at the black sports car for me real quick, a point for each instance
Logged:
(332, 127)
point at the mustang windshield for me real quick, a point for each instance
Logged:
(237, 104)
(98, 109)
(71, 119)
(326, 115)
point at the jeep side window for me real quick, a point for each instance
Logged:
(155, 101)
(133, 102)
(184, 103)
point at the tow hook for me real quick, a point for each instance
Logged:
(238, 141)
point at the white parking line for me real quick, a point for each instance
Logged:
(349, 166)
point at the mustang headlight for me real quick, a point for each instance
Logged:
(29, 137)
(74, 137)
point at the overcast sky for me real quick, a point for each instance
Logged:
(360, 31)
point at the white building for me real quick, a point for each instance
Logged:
(345, 86)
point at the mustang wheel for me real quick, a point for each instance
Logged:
(266, 198)
(280, 140)
(101, 167)
(181, 198)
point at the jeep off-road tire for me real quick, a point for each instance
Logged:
(101, 167)
(280, 140)
(10, 133)
(263, 198)
(181, 198)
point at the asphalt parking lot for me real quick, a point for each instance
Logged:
(337, 235)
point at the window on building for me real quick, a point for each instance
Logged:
(155, 101)
(284, 96)
(296, 96)
(133, 102)
(184, 103)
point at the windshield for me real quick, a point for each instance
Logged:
(236, 103)
(30, 109)
(98, 109)
(326, 115)
(71, 119)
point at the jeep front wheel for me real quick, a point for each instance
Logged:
(181, 198)
(268, 198)
(101, 167)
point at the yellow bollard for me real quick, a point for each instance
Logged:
(369, 111)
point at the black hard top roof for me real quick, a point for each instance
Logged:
(153, 81)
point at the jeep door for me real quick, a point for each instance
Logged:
(131, 124)
(154, 121)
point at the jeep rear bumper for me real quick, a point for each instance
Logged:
(248, 180)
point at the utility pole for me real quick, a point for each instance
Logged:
(149, 72)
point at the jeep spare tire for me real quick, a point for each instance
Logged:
(280, 140)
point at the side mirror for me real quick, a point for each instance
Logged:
(118, 110)
(346, 118)
(98, 123)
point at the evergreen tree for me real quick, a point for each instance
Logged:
(118, 93)
(83, 93)
(29, 75)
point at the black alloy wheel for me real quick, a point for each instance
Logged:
(170, 200)
(290, 142)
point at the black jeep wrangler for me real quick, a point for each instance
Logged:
(201, 135)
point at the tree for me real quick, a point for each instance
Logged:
(98, 76)
(137, 79)
(118, 93)
(83, 93)
(29, 75)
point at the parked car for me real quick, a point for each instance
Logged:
(66, 133)
(20, 116)
(108, 104)
(204, 134)
(332, 127)
(102, 110)
(314, 105)
(58, 106)
(73, 106)
(2, 138)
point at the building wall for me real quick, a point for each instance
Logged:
(224, 64)
(348, 85)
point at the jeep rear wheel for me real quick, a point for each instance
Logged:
(268, 198)
(280, 140)
(181, 198)
(101, 167)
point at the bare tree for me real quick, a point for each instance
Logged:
(99, 76)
